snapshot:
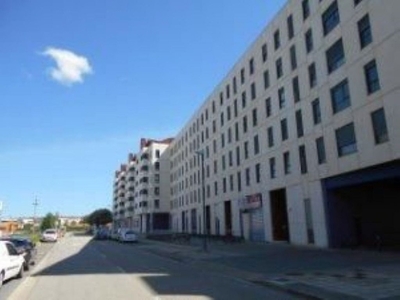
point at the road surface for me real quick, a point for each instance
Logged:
(80, 268)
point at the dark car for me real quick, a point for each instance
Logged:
(26, 247)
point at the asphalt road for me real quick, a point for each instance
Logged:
(80, 268)
(9, 286)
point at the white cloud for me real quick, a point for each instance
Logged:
(70, 67)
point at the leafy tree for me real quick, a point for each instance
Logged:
(99, 217)
(49, 221)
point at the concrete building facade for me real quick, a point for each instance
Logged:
(300, 139)
(141, 188)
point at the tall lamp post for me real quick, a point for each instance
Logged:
(35, 204)
(203, 185)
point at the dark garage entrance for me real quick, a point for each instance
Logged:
(363, 208)
(280, 224)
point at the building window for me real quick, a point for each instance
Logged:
(290, 27)
(156, 203)
(157, 153)
(223, 163)
(243, 99)
(235, 108)
(293, 58)
(215, 188)
(236, 131)
(268, 108)
(364, 31)
(279, 68)
(245, 124)
(253, 91)
(156, 191)
(246, 150)
(254, 114)
(340, 96)
(286, 163)
(335, 56)
(224, 185)
(264, 52)
(238, 156)
(281, 97)
(228, 91)
(256, 145)
(312, 75)
(222, 119)
(270, 133)
(321, 155)
(372, 77)
(305, 5)
(272, 167)
(346, 140)
(247, 174)
(228, 113)
(251, 66)
(330, 18)
(303, 159)
(379, 126)
(229, 135)
(258, 173)
(234, 83)
(266, 79)
(299, 124)
(242, 76)
(239, 181)
(296, 89)
(277, 39)
(284, 130)
(316, 111)
(309, 41)
(231, 183)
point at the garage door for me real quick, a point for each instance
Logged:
(257, 231)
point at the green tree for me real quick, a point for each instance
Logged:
(99, 217)
(49, 221)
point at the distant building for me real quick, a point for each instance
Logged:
(141, 188)
(9, 226)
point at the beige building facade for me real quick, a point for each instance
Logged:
(300, 140)
(141, 189)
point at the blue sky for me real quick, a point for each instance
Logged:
(82, 81)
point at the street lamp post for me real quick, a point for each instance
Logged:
(35, 204)
(203, 185)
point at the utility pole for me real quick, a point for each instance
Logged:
(35, 204)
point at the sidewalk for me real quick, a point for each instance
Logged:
(314, 273)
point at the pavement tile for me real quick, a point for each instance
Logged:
(314, 273)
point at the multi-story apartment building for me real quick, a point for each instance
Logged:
(119, 197)
(142, 188)
(300, 140)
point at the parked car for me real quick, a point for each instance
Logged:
(127, 235)
(11, 262)
(114, 235)
(102, 234)
(49, 235)
(26, 247)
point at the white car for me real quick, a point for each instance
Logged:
(127, 235)
(11, 262)
(49, 235)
